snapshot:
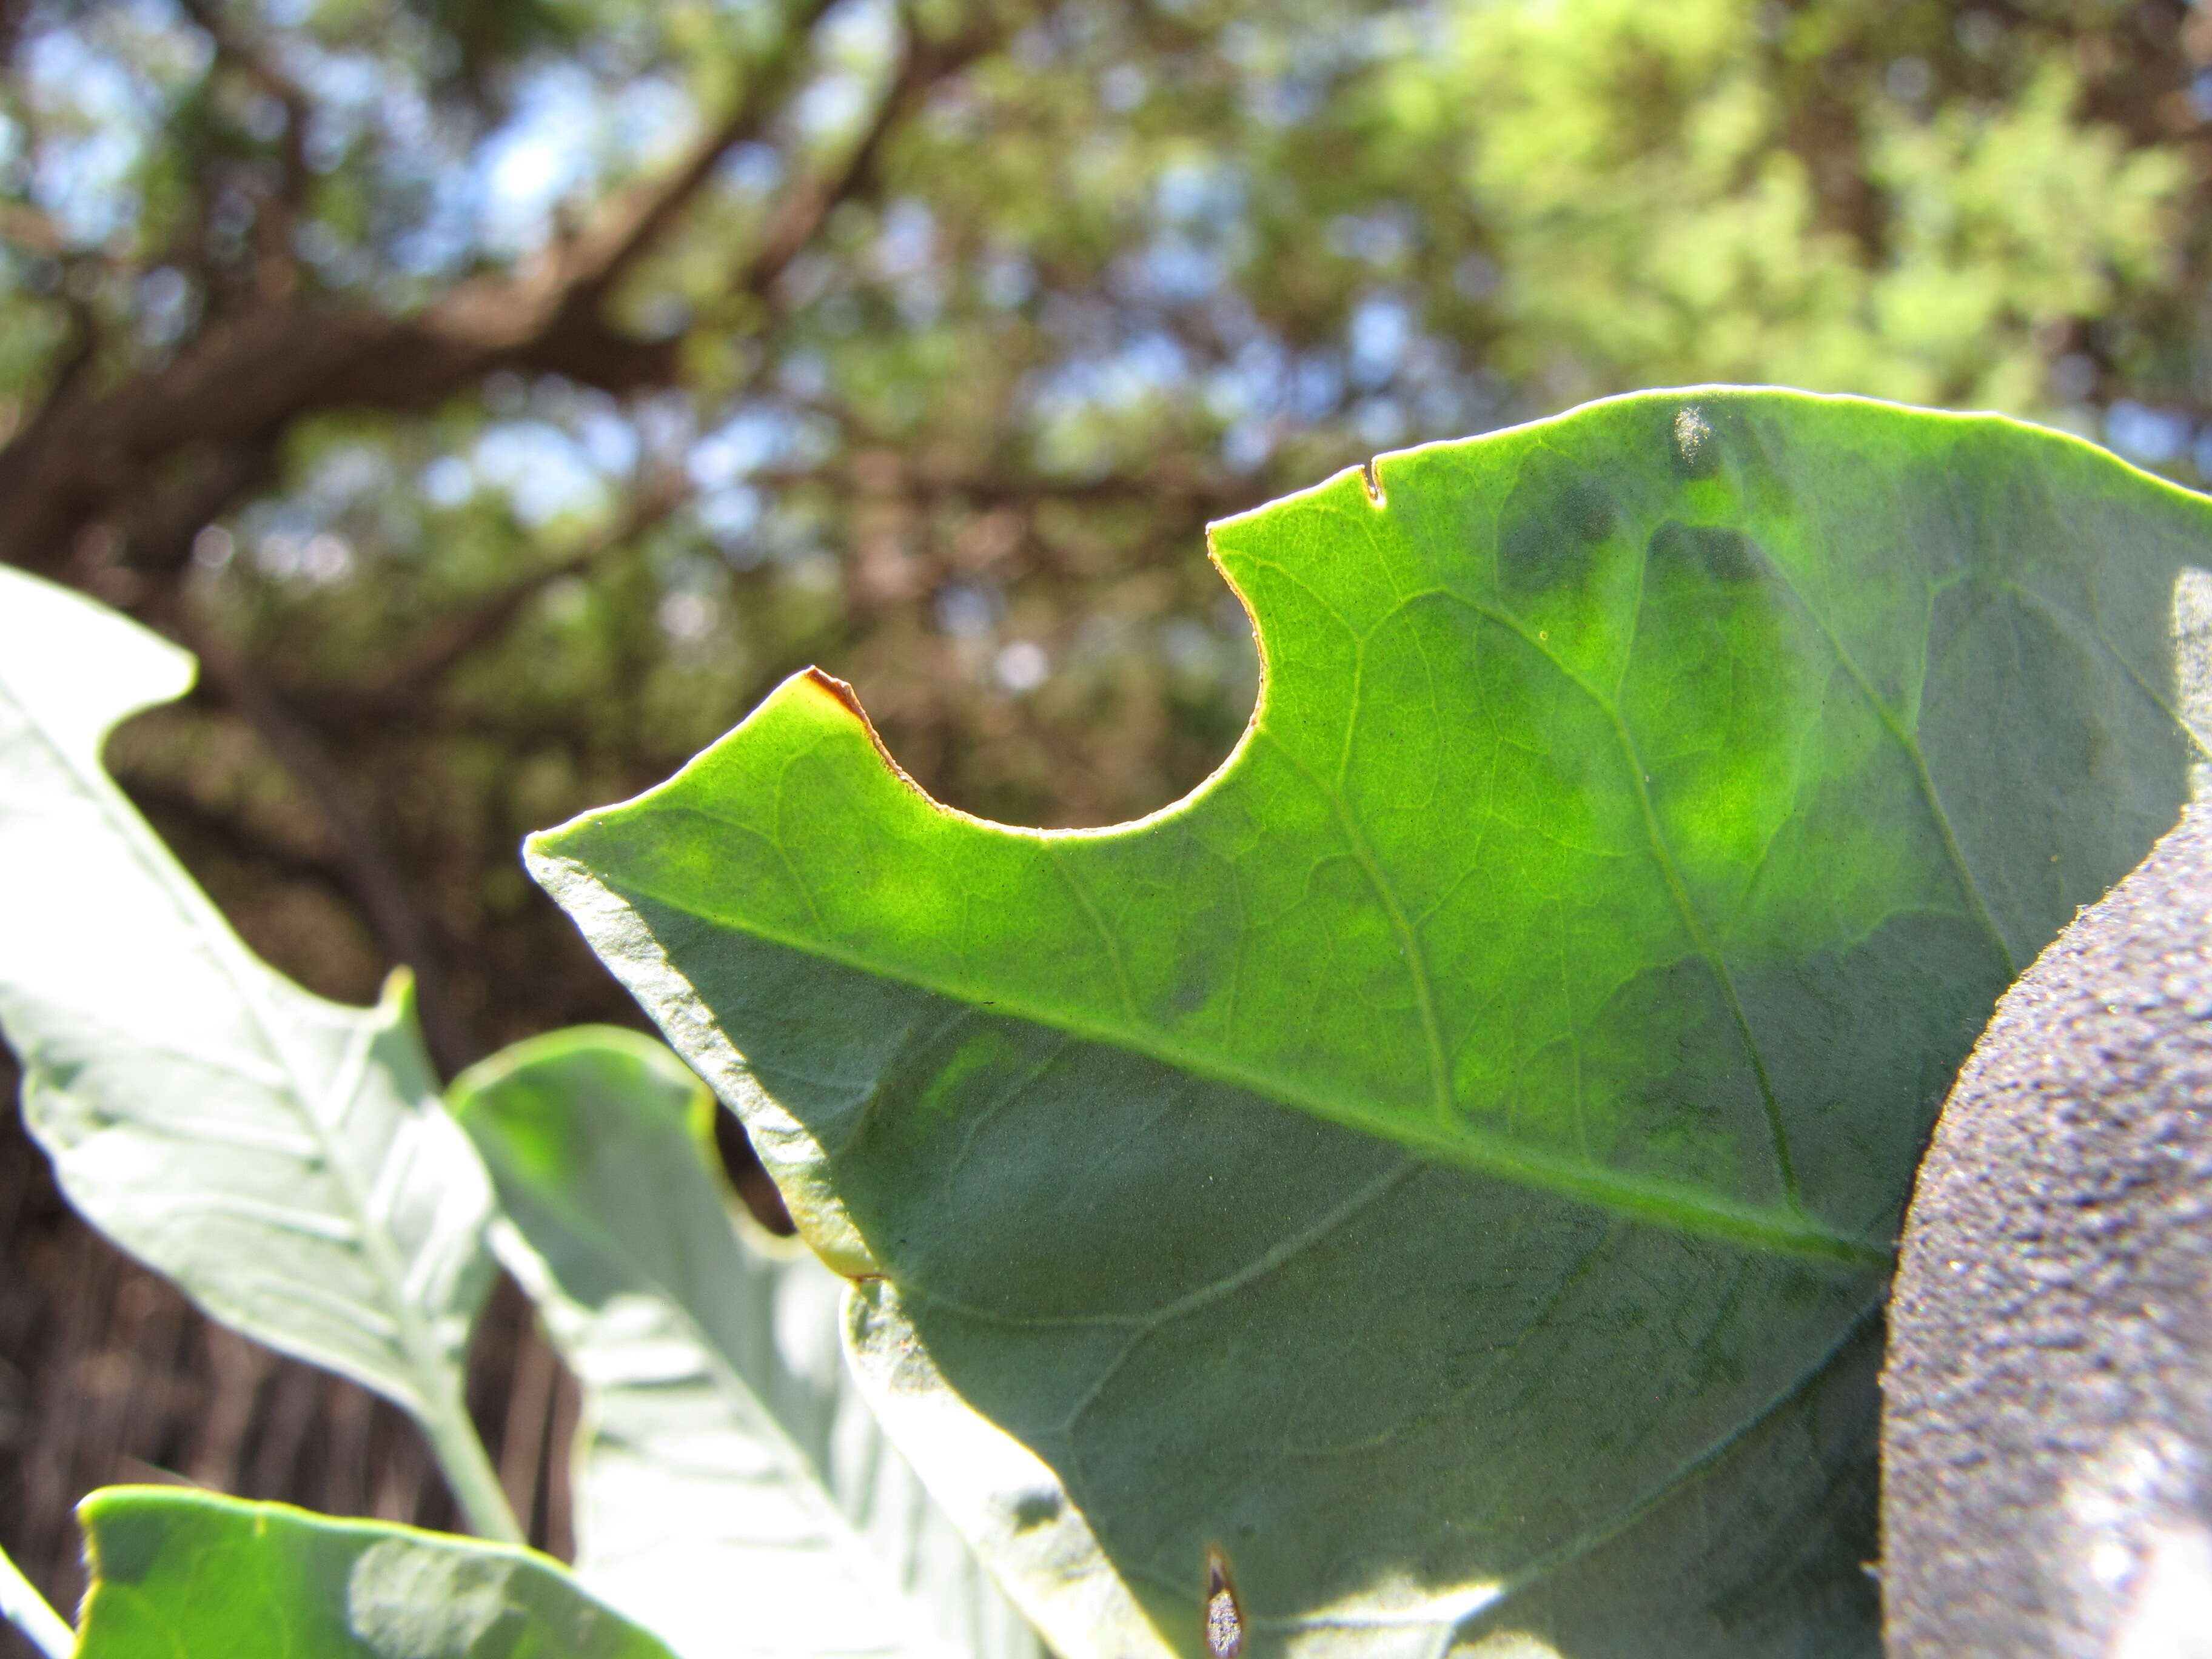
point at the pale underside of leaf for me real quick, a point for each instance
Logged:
(733, 1492)
(282, 1157)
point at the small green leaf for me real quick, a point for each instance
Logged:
(285, 1159)
(727, 1460)
(191, 1574)
(1642, 812)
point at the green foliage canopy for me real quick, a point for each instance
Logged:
(938, 384)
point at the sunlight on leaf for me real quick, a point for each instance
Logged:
(283, 1158)
(1642, 812)
(192, 1573)
(726, 1462)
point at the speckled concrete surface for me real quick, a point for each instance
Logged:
(2047, 1432)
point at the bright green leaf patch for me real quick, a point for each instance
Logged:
(191, 1574)
(1598, 767)
(1642, 811)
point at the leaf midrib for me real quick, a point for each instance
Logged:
(1674, 1204)
(416, 1345)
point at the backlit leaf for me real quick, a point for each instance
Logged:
(283, 1158)
(733, 1491)
(192, 1575)
(1447, 1163)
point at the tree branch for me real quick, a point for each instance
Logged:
(160, 521)
(797, 218)
(1000, 490)
(252, 60)
(559, 295)
(250, 374)
(633, 221)
(160, 797)
(418, 666)
(31, 229)
(277, 261)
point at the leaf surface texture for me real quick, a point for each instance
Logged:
(732, 1490)
(177, 1573)
(284, 1158)
(1447, 1162)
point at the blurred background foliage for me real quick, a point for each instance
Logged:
(501, 395)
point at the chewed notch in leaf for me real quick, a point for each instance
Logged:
(1642, 811)
(1577, 800)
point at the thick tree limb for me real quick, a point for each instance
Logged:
(253, 372)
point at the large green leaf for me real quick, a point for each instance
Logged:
(1642, 812)
(726, 1462)
(192, 1575)
(284, 1158)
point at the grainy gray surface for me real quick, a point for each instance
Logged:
(2047, 1432)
